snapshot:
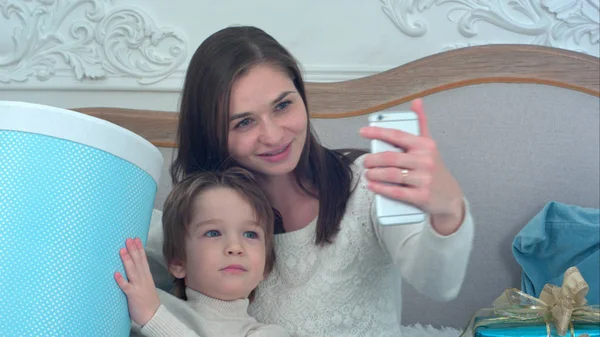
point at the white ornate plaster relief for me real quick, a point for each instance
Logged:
(555, 23)
(88, 39)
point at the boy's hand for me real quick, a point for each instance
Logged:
(142, 297)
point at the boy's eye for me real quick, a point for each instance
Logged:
(251, 235)
(245, 122)
(212, 233)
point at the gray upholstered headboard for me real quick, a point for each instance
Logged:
(517, 125)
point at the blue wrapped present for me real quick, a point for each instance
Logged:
(559, 311)
(500, 326)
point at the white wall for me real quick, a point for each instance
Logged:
(74, 53)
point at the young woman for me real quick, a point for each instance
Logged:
(244, 103)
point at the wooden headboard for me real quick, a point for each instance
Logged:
(435, 73)
(518, 125)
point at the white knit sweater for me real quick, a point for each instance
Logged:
(347, 288)
(203, 316)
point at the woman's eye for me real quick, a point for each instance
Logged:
(283, 105)
(244, 123)
(212, 233)
(251, 235)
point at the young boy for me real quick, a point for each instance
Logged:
(218, 244)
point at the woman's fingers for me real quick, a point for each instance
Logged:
(398, 176)
(417, 107)
(394, 137)
(415, 196)
(406, 142)
(399, 160)
(400, 139)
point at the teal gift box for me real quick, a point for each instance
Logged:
(498, 326)
(558, 312)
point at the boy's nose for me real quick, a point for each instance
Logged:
(234, 248)
(234, 252)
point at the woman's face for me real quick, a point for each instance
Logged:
(267, 121)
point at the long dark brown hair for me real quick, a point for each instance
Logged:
(203, 128)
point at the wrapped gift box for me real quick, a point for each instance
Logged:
(501, 326)
(558, 312)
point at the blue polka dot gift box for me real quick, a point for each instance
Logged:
(72, 189)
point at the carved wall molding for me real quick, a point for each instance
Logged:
(87, 39)
(102, 45)
(554, 23)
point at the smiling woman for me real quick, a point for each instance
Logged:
(243, 72)
(244, 104)
(270, 138)
(491, 110)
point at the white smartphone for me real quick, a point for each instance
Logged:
(389, 211)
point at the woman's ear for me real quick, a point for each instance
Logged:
(177, 268)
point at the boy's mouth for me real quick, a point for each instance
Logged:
(234, 268)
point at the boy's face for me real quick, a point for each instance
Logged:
(225, 250)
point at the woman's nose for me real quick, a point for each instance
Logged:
(272, 133)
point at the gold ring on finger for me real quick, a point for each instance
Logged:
(404, 175)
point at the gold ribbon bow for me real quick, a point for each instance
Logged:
(563, 301)
(558, 305)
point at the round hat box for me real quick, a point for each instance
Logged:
(72, 189)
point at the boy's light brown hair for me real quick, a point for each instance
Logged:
(178, 210)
